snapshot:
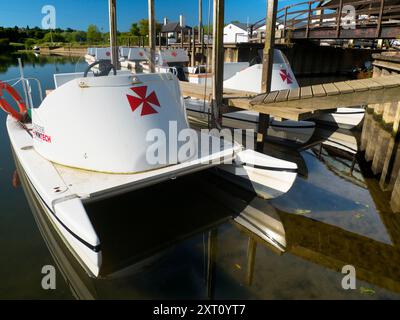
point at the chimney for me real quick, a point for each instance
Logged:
(182, 21)
(165, 21)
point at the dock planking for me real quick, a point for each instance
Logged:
(307, 102)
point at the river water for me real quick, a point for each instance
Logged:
(332, 216)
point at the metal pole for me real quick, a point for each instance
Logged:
(152, 36)
(24, 86)
(112, 10)
(217, 60)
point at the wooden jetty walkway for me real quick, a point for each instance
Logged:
(307, 102)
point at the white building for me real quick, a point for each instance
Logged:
(236, 32)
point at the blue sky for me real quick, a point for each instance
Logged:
(78, 14)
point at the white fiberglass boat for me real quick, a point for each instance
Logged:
(91, 139)
(249, 79)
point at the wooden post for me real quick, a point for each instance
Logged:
(379, 24)
(308, 19)
(268, 61)
(217, 60)
(339, 18)
(200, 27)
(285, 23)
(182, 37)
(112, 11)
(190, 45)
(152, 36)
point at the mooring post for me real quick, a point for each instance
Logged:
(112, 11)
(268, 61)
(152, 36)
(379, 23)
(217, 61)
(201, 30)
(339, 18)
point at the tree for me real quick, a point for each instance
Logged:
(56, 37)
(144, 27)
(93, 34)
(135, 30)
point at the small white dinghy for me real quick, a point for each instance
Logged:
(283, 78)
(343, 118)
(294, 131)
(91, 139)
(248, 78)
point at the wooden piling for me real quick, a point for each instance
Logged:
(152, 36)
(395, 200)
(380, 151)
(218, 60)
(112, 11)
(268, 61)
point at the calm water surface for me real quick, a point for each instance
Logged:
(331, 218)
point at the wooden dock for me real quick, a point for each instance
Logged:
(307, 102)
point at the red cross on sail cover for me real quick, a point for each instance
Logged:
(146, 101)
(286, 76)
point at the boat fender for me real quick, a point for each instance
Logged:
(20, 115)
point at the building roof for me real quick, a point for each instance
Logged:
(174, 27)
(240, 25)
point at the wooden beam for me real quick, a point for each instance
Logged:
(152, 36)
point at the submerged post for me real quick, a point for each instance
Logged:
(152, 36)
(268, 61)
(217, 61)
(112, 10)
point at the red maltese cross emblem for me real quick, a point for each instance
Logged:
(142, 99)
(286, 76)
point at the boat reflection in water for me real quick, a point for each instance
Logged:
(200, 237)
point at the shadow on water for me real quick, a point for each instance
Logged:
(184, 238)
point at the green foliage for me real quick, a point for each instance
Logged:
(135, 30)
(93, 34)
(5, 45)
(53, 37)
(29, 43)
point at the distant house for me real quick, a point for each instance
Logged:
(172, 30)
(236, 32)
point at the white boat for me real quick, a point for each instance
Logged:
(249, 79)
(294, 131)
(344, 118)
(89, 140)
(241, 76)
